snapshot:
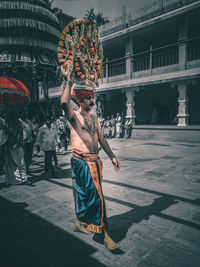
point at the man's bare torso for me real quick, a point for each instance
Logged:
(83, 134)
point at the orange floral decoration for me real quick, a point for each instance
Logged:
(80, 52)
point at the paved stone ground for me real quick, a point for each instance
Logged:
(152, 206)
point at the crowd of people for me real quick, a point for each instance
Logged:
(115, 127)
(22, 136)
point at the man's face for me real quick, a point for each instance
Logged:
(48, 122)
(87, 103)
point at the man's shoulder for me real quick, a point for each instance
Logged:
(43, 128)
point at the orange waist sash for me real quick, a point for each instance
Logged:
(85, 156)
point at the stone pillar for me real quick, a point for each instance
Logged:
(183, 107)
(100, 104)
(94, 110)
(183, 35)
(34, 86)
(45, 86)
(108, 104)
(129, 60)
(130, 105)
(107, 73)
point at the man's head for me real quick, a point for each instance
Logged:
(48, 121)
(23, 115)
(53, 118)
(85, 98)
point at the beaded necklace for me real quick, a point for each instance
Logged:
(91, 129)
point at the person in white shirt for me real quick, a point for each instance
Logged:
(46, 141)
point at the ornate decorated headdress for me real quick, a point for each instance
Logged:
(80, 53)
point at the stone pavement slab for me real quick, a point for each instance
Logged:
(152, 207)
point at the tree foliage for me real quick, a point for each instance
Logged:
(49, 2)
(97, 19)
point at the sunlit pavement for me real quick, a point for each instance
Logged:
(152, 208)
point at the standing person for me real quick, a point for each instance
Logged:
(3, 141)
(118, 125)
(46, 141)
(15, 168)
(86, 164)
(113, 126)
(107, 129)
(101, 121)
(28, 139)
(57, 141)
(55, 127)
(128, 128)
(35, 132)
(61, 126)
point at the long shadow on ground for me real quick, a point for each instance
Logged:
(119, 224)
(28, 240)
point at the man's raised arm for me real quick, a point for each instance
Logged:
(65, 102)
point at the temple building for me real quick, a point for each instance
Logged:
(152, 69)
(29, 34)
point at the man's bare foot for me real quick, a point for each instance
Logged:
(78, 227)
(109, 243)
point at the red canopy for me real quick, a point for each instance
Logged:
(13, 91)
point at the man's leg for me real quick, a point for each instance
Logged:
(2, 158)
(50, 162)
(47, 160)
(109, 243)
(61, 142)
(65, 142)
(55, 158)
(81, 227)
(25, 147)
(29, 153)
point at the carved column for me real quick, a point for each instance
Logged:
(34, 87)
(34, 90)
(129, 61)
(108, 107)
(107, 71)
(130, 105)
(183, 35)
(94, 110)
(45, 86)
(183, 105)
(100, 105)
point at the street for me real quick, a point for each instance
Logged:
(152, 208)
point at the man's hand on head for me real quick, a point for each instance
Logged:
(116, 164)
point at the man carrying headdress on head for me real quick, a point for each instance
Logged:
(80, 55)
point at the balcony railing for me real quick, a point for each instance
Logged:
(193, 49)
(157, 8)
(153, 58)
(136, 16)
(165, 58)
(141, 63)
(115, 67)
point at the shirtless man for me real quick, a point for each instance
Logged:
(85, 134)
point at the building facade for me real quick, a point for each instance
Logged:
(152, 65)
